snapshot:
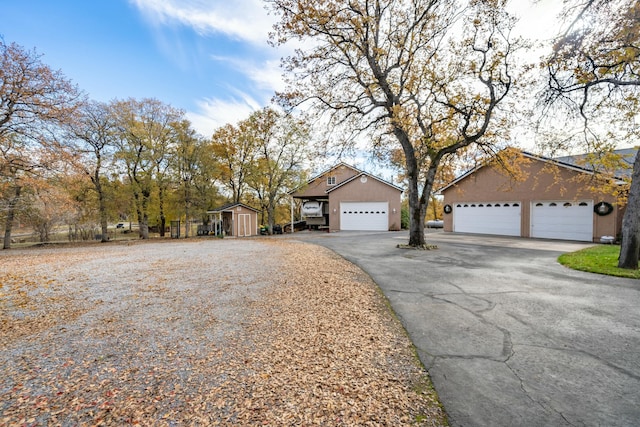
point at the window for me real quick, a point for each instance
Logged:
(331, 180)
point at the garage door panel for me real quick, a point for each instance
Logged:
(501, 218)
(565, 220)
(364, 216)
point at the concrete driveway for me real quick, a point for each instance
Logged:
(509, 336)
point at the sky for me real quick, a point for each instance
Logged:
(209, 58)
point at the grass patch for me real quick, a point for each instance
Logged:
(601, 259)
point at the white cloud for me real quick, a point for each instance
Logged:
(241, 19)
(214, 113)
(266, 75)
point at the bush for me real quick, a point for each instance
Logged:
(404, 218)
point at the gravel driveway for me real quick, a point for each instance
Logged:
(202, 332)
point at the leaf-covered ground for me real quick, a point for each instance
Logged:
(202, 332)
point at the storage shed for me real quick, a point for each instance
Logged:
(234, 219)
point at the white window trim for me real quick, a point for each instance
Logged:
(331, 180)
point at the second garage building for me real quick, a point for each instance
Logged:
(546, 198)
(346, 198)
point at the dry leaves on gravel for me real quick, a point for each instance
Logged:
(302, 337)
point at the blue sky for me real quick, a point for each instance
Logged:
(207, 57)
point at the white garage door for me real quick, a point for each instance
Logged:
(500, 218)
(369, 216)
(565, 220)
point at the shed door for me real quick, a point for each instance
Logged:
(500, 218)
(565, 220)
(365, 216)
(244, 225)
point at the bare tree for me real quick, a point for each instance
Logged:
(33, 97)
(427, 75)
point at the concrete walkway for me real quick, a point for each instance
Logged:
(509, 336)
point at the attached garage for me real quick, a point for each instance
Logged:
(498, 218)
(564, 219)
(366, 216)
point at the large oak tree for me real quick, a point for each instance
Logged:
(425, 75)
(93, 138)
(595, 70)
(146, 129)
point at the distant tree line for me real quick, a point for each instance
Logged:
(66, 160)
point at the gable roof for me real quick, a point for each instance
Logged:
(321, 174)
(358, 174)
(353, 178)
(556, 162)
(230, 206)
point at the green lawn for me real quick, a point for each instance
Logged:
(601, 259)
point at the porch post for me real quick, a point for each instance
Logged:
(291, 214)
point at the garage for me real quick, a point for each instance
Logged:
(559, 199)
(365, 216)
(498, 218)
(566, 220)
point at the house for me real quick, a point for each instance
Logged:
(234, 219)
(551, 199)
(346, 198)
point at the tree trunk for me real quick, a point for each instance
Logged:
(417, 210)
(416, 213)
(102, 209)
(137, 203)
(144, 226)
(271, 216)
(630, 246)
(11, 213)
(163, 218)
(187, 204)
